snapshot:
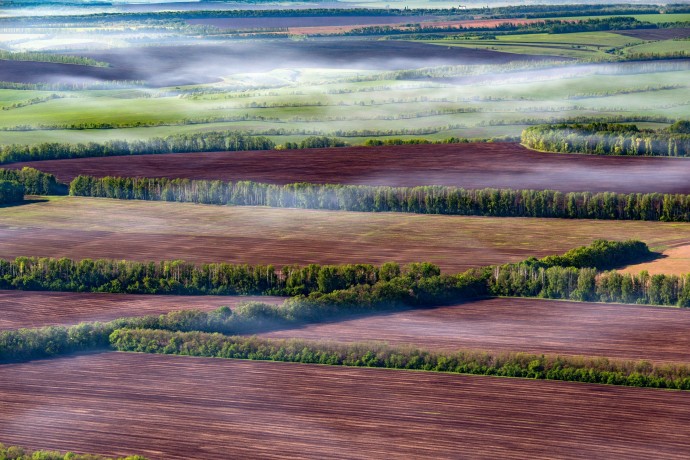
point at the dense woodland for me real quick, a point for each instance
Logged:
(34, 182)
(423, 200)
(610, 139)
(11, 192)
(586, 284)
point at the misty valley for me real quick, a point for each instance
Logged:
(344, 229)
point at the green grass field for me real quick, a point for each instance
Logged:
(347, 108)
(584, 45)
(663, 46)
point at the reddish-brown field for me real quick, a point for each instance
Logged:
(167, 407)
(403, 24)
(528, 325)
(140, 230)
(673, 261)
(35, 309)
(500, 165)
(306, 21)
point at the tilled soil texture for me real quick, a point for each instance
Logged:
(422, 21)
(528, 325)
(474, 165)
(36, 309)
(154, 405)
(179, 65)
(145, 230)
(673, 261)
(656, 34)
(306, 21)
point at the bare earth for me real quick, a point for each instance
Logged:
(154, 405)
(674, 261)
(527, 325)
(138, 230)
(481, 165)
(35, 309)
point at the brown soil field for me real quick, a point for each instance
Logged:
(307, 21)
(137, 230)
(169, 407)
(36, 309)
(480, 165)
(422, 21)
(673, 261)
(529, 325)
(656, 34)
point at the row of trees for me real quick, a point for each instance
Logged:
(609, 139)
(545, 26)
(49, 57)
(34, 181)
(423, 200)
(586, 284)
(19, 453)
(73, 85)
(179, 143)
(523, 11)
(51, 341)
(11, 192)
(179, 277)
(576, 369)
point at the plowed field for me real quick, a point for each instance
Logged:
(35, 309)
(138, 230)
(499, 165)
(168, 407)
(529, 325)
(673, 261)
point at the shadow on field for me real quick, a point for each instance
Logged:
(23, 203)
(275, 326)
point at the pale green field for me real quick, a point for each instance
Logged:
(663, 46)
(323, 102)
(653, 18)
(585, 45)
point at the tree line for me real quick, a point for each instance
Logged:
(587, 285)
(179, 277)
(609, 139)
(179, 143)
(19, 453)
(421, 200)
(523, 365)
(51, 341)
(426, 32)
(351, 285)
(579, 275)
(34, 181)
(11, 192)
(50, 57)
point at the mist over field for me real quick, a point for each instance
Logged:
(275, 193)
